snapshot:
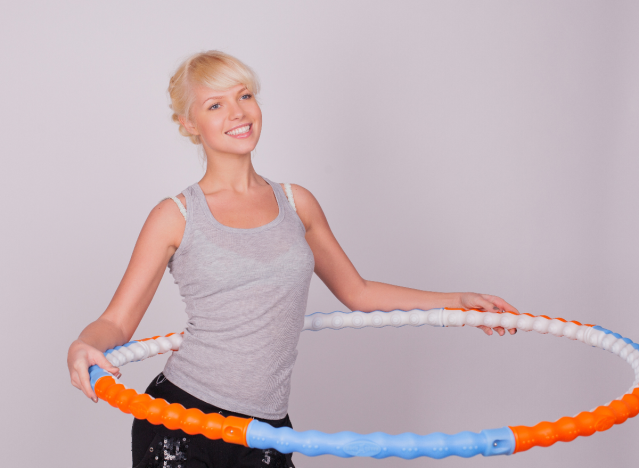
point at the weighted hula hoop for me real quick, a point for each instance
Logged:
(502, 441)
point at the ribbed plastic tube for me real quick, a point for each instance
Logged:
(504, 441)
(381, 445)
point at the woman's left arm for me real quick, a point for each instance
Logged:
(340, 276)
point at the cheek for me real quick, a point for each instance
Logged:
(256, 115)
(212, 126)
(257, 124)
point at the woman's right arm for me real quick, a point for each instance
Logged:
(159, 238)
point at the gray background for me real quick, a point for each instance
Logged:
(486, 146)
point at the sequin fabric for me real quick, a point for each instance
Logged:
(170, 452)
(155, 446)
(274, 459)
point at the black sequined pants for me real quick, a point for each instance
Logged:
(156, 446)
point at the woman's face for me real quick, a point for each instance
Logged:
(228, 122)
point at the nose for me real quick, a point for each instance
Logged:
(235, 111)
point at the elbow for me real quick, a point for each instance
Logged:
(358, 298)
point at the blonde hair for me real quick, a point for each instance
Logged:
(213, 69)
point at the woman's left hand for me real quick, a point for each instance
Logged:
(488, 303)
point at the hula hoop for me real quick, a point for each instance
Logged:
(502, 441)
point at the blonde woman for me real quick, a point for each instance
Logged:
(242, 250)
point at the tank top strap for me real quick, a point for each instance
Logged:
(289, 195)
(282, 197)
(285, 200)
(178, 203)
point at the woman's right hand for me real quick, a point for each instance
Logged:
(82, 356)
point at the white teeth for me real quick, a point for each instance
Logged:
(239, 131)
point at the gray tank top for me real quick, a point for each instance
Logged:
(245, 292)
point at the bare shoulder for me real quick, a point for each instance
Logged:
(301, 193)
(308, 208)
(166, 223)
(168, 209)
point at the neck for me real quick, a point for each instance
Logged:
(229, 172)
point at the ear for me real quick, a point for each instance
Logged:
(190, 127)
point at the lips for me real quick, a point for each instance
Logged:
(239, 130)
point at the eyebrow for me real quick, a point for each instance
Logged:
(220, 97)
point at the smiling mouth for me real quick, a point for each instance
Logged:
(240, 130)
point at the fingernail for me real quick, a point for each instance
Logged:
(95, 400)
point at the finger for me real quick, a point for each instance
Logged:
(499, 302)
(488, 331)
(500, 330)
(104, 363)
(512, 331)
(75, 380)
(85, 382)
(488, 306)
(510, 308)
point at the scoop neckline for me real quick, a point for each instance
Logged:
(224, 227)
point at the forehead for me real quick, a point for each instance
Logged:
(204, 93)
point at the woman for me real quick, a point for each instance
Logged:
(242, 250)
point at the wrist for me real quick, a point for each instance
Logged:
(454, 300)
(76, 343)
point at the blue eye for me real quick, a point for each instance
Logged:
(217, 106)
